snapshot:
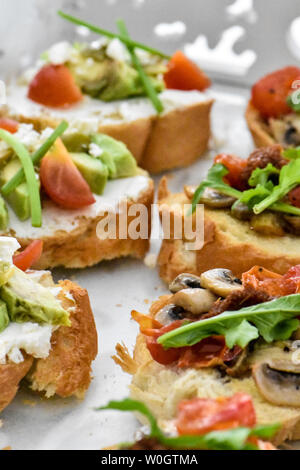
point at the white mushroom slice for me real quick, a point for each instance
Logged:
(183, 281)
(169, 313)
(278, 386)
(220, 281)
(195, 301)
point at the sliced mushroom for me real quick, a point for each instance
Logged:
(213, 198)
(195, 301)
(277, 375)
(184, 280)
(220, 281)
(170, 313)
(241, 211)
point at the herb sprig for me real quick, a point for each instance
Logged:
(30, 176)
(19, 177)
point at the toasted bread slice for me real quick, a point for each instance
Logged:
(70, 237)
(67, 369)
(161, 388)
(175, 138)
(228, 242)
(258, 127)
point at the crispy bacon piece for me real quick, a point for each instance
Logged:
(274, 284)
(210, 352)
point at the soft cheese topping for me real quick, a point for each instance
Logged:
(32, 338)
(33, 308)
(57, 219)
(86, 116)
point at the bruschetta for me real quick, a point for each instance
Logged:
(272, 113)
(251, 214)
(97, 87)
(47, 331)
(216, 335)
(75, 182)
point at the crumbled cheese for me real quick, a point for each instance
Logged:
(95, 150)
(59, 53)
(8, 246)
(98, 43)
(29, 137)
(32, 338)
(118, 51)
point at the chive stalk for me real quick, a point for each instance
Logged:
(32, 182)
(109, 34)
(148, 87)
(19, 177)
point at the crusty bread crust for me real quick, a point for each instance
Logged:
(81, 247)
(11, 375)
(162, 142)
(67, 369)
(258, 127)
(161, 388)
(228, 243)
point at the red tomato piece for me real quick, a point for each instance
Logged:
(235, 166)
(269, 94)
(10, 125)
(29, 256)
(184, 74)
(54, 86)
(294, 196)
(62, 181)
(201, 415)
(157, 351)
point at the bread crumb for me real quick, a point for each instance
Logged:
(118, 305)
(146, 301)
(6, 448)
(150, 260)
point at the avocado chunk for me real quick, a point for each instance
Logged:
(28, 301)
(4, 318)
(116, 156)
(19, 198)
(76, 142)
(93, 170)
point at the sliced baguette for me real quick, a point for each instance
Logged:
(67, 369)
(228, 243)
(161, 388)
(258, 127)
(81, 246)
(175, 138)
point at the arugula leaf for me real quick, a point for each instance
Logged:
(214, 180)
(253, 196)
(289, 178)
(287, 208)
(232, 439)
(273, 320)
(262, 175)
(291, 153)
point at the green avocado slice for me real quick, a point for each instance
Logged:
(4, 318)
(93, 170)
(116, 156)
(28, 301)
